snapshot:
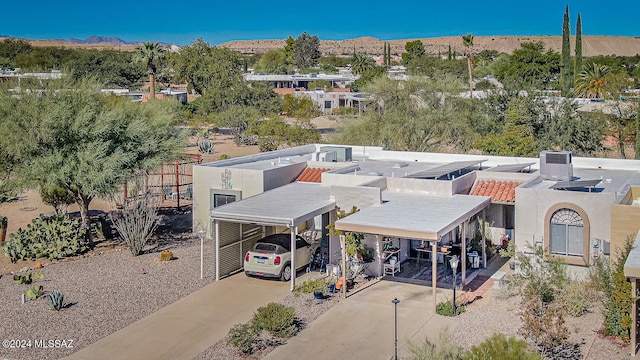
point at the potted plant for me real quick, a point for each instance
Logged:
(3, 228)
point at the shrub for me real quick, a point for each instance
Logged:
(54, 237)
(446, 309)
(544, 324)
(136, 223)
(574, 299)
(443, 349)
(242, 336)
(608, 277)
(277, 319)
(224, 157)
(311, 286)
(56, 300)
(538, 277)
(56, 196)
(499, 347)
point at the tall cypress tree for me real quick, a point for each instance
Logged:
(638, 131)
(384, 54)
(577, 66)
(565, 71)
(449, 55)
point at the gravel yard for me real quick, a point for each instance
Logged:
(108, 291)
(105, 292)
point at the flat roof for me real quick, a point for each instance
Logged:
(288, 205)
(610, 181)
(414, 216)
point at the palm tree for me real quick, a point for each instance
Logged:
(467, 41)
(361, 63)
(591, 82)
(151, 54)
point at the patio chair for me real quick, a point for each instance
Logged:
(167, 191)
(188, 193)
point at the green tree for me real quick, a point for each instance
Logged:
(360, 63)
(565, 65)
(638, 131)
(83, 141)
(529, 67)
(306, 50)
(10, 48)
(467, 41)
(577, 64)
(273, 62)
(151, 55)
(414, 49)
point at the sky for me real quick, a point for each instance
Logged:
(216, 21)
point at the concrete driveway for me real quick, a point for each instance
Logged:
(192, 324)
(362, 326)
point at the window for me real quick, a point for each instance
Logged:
(566, 233)
(222, 199)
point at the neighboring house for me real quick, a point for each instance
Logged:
(329, 102)
(302, 80)
(419, 203)
(180, 96)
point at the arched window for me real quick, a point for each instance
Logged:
(566, 233)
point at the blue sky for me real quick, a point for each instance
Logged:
(218, 21)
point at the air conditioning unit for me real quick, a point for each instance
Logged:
(343, 152)
(325, 156)
(556, 165)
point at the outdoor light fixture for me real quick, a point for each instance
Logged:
(454, 266)
(395, 302)
(201, 236)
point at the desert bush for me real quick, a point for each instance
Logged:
(56, 196)
(311, 286)
(224, 157)
(136, 223)
(446, 309)
(242, 336)
(277, 319)
(575, 298)
(608, 277)
(543, 323)
(539, 277)
(499, 347)
(442, 349)
(54, 237)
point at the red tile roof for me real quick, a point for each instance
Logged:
(311, 175)
(500, 191)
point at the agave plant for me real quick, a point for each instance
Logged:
(205, 147)
(56, 300)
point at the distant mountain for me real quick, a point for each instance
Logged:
(100, 40)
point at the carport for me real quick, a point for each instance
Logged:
(419, 217)
(287, 206)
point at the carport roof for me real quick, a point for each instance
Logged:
(414, 216)
(287, 205)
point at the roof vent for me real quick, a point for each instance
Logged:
(400, 165)
(374, 173)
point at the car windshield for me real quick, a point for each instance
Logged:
(266, 247)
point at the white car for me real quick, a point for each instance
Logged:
(271, 257)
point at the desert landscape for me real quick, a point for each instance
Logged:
(591, 45)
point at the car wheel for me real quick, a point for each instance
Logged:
(286, 273)
(248, 275)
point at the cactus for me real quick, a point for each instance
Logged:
(54, 237)
(166, 255)
(56, 300)
(27, 279)
(35, 292)
(205, 147)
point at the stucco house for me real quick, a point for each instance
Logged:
(423, 206)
